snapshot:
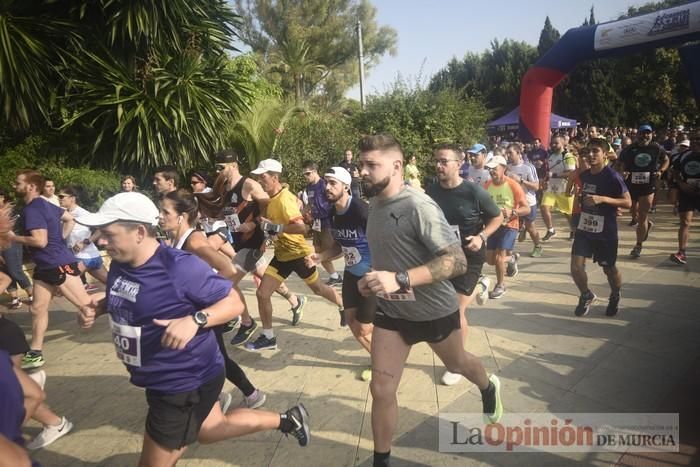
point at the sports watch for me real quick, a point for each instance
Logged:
(403, 280)
(200, 318)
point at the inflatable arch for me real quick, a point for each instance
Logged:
(661, 28)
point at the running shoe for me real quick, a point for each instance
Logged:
(652, 210)
(300, 419)
(33, 359)
(512, 265)
(50, 434)
(493, 407)
(536, 252)
(245, 332)
(636, 252)
(225, 399)
(262, 343)
(334, 281)
(343, 322)
(613, 305)
(548, 235)
(650, 225)
(231, 325)
(298, 311)
(450, 379)
(584, 303)
(366, 375)
(255, 400)
(679, 258)
(497, 292)
(15, 304)
(633, 223)
(482, 295)
(522, 234)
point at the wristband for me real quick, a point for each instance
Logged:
(483, 237)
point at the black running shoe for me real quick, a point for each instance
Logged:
(244, 333)
(298, 311)
(343, 323)
(300, 419)
(334, 281)
(584, 303)
(613, 305)
(548, 235)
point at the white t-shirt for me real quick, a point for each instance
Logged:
(80, 233)
(479, 176)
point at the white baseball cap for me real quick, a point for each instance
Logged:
(339, 174)
(496, 161)
(685, 143)
(128, 207)
(267, 165)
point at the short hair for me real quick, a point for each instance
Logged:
(515, 146)
(185, 204)
(169, 173)
(380, 142)
(309, 164)
(33, 177)
(456, 148)
(72, 190)
(602, 143)
(128, 177)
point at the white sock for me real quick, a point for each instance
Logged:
(269, 333)
(550, 230)
(335, 275)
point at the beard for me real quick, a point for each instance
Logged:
(373, 189)
(332, 198)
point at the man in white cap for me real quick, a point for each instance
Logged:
(285, 223)
(348, 217)
(510, 198)
(162, 304)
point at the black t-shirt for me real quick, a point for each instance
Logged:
(247, 211)
(688, 167)
(642, 162)
(467, 206)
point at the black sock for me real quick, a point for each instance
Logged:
(286, 425)
(381, 459)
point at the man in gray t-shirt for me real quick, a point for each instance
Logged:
(526, 174)
(414, 254)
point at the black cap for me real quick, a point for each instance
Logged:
(203, 176)
(227, 156)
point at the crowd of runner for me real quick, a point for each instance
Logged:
(414, 253)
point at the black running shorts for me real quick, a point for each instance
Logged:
(280, 270)
(174, 420)
(365, 306)
(56, 276)
(412, 332)
(604, 252)
(465, 284)
(12, 338)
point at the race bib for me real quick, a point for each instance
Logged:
(557, 185)
(408, 296)
(640, 178)
(592, 223)
(352, 255)
(127, 342)
(233, 222)
(455, 231)
(316, 225)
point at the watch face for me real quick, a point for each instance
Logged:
(200, 318)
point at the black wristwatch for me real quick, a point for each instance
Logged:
(200, 318)
(403, 280)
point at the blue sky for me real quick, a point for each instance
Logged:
(430, 33)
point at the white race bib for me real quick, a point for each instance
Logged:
(398, 297)
(592, 223)
(557, 185)
(352, 255)
(316, 225)
(640, 178)
(127, 342)
(233, 222)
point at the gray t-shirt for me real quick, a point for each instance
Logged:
(527, 172)
(405, 232)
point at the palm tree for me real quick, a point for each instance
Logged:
(292, 59)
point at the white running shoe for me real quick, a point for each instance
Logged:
(39, 378)
(50, 434)
(450, 379)
(482, 294)
(225, 399)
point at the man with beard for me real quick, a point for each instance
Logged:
(476, 172)
(414, 254)
(560, 164)
(643, 163)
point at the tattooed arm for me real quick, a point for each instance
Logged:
(448, 263)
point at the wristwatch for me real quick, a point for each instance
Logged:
(200, 318)
(403, 280)
(483, 237)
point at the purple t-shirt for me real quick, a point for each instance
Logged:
(171, 284)
(600, 222)
(40, 214)
(320, 207)
(11, 401)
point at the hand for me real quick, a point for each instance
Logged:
(475, 243)
(381, 282)
(87, 314)
(592, 200)
(178, 332)
(11, 236)
(312, 260)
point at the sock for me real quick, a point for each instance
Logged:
(550, 230)
(269, 333)
(335, 275)
(286, 425)
(253, 395)
(381, 459)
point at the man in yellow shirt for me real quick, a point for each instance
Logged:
(285, 223)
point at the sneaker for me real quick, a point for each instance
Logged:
(497, 292)
(262, 343)
(39, 378)
(512, 265)
(298, 311)
(633, 223)
(28, 300)
(493, 401)
(652, 210)
(679, 258)
(450, 379)
(225, 399)
(521, 235)
(300, 418)
(231, 325)
(571, 235)
(549, 234)
(15, 304)
(613, 305)
(334, 281)
(50, 434)
(536, 252)
(650, 225)
(584, 304)
(255, 400)
(33, 359)
(343, 323)
(244, 333)
(366, 375)
(483, 294)
(636, 252)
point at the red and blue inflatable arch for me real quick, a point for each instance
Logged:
(663, 28)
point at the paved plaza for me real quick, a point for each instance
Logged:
(644, 360)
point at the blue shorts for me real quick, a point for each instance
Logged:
(502, 239)
(532, 216)
(92, 263)
(603, 251)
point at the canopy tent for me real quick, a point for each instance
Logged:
(510, 121)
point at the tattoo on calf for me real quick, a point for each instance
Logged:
(449, 262)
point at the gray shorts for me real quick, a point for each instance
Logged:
(249, 259)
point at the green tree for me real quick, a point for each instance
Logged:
(327, 27)
(548, 37)
(292, 59)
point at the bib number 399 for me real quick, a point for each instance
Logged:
(591, 223)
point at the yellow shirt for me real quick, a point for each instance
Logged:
(283, 209)
(412, 175)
